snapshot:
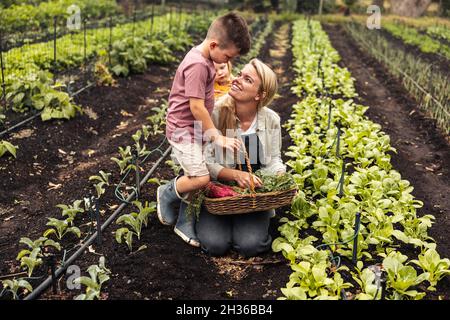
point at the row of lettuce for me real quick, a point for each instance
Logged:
(30, 69)
(319, 239)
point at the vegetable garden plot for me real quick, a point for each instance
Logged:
(115, 109)
(156, 270)
(364, 215)
(125, 49)
(422, 152)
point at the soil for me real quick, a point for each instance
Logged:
(423, 153)
(65, 154)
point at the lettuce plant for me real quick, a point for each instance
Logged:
(5, 146)
(402, 279)
(61, 228)
(13, 286)
(135, 221)
(71, 211)
(98, 275)
(32, 257)
(125, 160)
(434, 266)
(103, 180)
(36, 91)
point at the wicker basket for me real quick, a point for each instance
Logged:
(249, 202)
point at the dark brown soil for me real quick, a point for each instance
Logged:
(168, 268)
(423, 154)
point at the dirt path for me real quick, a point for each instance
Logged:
(423, 155)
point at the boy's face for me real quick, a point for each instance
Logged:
(222, 55)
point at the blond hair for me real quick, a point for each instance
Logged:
(267, 89)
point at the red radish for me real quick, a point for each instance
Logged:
(218, 190)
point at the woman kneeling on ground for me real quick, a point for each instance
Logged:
(243, 112)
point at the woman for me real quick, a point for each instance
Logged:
(243, 113)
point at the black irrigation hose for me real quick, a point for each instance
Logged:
(20, 124)
(38, 114)
(37, 292)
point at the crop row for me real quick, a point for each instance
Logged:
(427, 84)
(413, 37)
(352, 205)
(37, 252)
(129, 47)
(26, 17)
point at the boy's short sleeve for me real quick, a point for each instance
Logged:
(196, 77)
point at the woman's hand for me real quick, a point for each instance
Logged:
(243, 179)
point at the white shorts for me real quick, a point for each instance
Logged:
(190, 157)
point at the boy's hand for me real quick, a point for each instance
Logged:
(228, 143)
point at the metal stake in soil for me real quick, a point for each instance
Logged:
(3, 98)
(84, 45)
(54, 49)
(179, 13)
(338, 144)
(152, 18)
(341, 180)
(97, 217)
(329, 114)
(134, 20)
(52, 265)
(355, 241)
(138, 180)
(110, 41)
(170, 19)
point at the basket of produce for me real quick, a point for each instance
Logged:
(277, 191)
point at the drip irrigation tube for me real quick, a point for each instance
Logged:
(59, 272)
(17, 125)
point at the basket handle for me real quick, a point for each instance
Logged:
(249, 167)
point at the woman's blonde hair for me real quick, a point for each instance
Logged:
(267, 90)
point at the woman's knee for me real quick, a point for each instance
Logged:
(215, 247)
(252, 245)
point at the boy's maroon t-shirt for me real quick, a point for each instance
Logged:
(194, 79)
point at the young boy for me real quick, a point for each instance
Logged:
(188, 121)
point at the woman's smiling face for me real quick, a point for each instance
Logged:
(246, 86)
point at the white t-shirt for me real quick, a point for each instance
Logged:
(251, 129)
